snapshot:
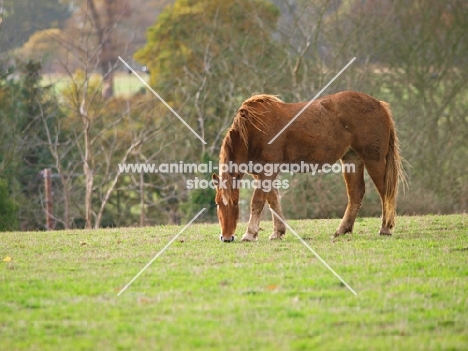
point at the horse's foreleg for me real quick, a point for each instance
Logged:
(279, 228)
(256, 207)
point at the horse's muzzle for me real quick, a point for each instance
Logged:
(226, 241)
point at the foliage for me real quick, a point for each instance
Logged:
(410, 54)
(42, 46)
(205, 58)
(22, 152)
(199, 198)
(22, 18)
(8, 209)
(220, 28)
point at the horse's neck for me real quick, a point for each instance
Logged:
(240, 158)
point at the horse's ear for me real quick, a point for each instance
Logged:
(328, 104)
(243, 113)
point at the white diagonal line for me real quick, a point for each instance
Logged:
(311, 101)
(160, 252)
(162, 100)
(312, 250)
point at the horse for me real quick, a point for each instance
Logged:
(349, 126)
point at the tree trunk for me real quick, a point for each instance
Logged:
(107, 56)
(89, 177)
(142, 200)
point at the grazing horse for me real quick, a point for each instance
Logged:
(352, 127)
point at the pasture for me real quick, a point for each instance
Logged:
(59, 289)
(125, 84)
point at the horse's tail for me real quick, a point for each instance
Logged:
(394, 171)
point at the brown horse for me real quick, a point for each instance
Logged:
(352, 127)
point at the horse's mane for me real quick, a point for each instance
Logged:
(248, 113)
(262, 98)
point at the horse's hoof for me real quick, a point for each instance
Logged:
(385, 233)
(342, 232)
(276, 236)
(249, 237)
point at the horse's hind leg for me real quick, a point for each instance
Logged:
(279, 228)
(256, 207)
(376, 170)
(356, 188)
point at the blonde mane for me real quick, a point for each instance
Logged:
(262, 98)
(248, 113)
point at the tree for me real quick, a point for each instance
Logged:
(88, 135)
(410, 54)
(8, 209)
(104, 22)
(205, 58)
(424, 58)
(208, 56)
(22, 153)
(21, 18)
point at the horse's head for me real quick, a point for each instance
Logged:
(228, 208)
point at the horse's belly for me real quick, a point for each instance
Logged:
(319, 149)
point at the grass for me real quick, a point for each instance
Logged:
(59, 290)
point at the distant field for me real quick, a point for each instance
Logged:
(124, 84)
(59, 289)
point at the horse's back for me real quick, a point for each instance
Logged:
(328, 127)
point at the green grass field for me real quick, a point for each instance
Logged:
(59, 289)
